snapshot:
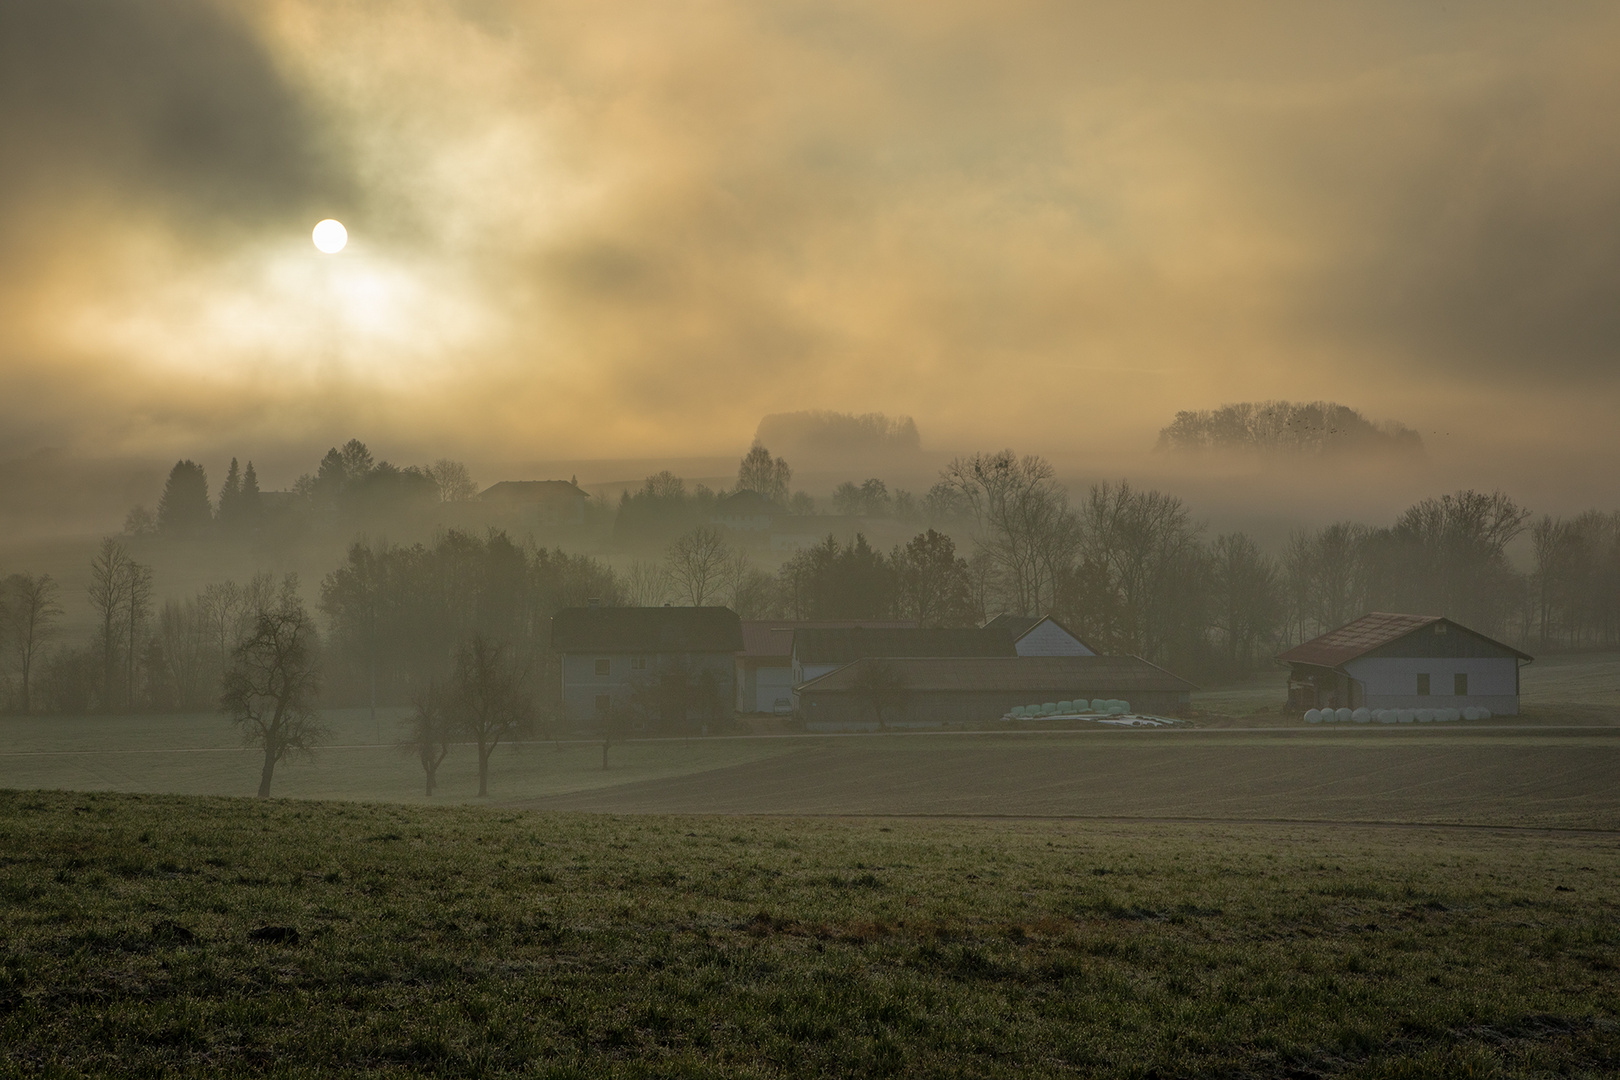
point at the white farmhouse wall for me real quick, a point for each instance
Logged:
(1390, 682)
(1047, 638)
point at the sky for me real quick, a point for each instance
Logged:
(629, 229)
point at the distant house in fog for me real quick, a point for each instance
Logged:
(538, 502)
(1042, 636)
(1390, 661)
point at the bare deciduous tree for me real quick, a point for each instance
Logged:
(701, 565)
(31, 614)
(272, 684)
(647, 584)
(1024, 522)
(453, 479)
(489, 700)
(427, 732)
(109, 574)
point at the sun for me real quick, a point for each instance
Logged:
(330, 236)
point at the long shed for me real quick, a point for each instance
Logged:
(928, 691)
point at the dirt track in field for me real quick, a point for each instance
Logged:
(1551, 782)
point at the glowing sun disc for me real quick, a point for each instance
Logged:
(330, 236)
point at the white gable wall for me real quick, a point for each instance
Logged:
(1390, 682)
(1047, 638)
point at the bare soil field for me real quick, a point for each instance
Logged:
(1567, 779)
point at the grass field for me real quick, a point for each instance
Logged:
(484, 942)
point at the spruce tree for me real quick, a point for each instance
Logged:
(230, 498)
(184, 509)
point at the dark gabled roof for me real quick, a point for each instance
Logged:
(846, 645)
(1014, 626)
(774, 637)
(1017, 627)
(646, 630)
(1370, 633)
(533, 491)
(1065, 676)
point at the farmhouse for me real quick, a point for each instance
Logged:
(1390, 661)
(610, 655)
(928, 691)
(538, 502)
(765, 664)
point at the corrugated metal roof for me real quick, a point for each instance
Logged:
(646, 630)
(1070, 675)
(1356, 638)
(774, 637)
(846, 646)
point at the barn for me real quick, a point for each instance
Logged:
(1391, 661)
(930, 691)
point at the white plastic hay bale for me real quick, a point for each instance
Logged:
(1471, 713)
(1484, 713)
(1344, 715)
(1123, 706)
(1361, 715)
(1371, 716)
(1423, 716)
(1049, 708)
(1450, 715)
(1099, 705)
(1391, 716)
(1065, 706)
(1313, 716)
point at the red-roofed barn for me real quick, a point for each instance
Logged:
(1390, 661)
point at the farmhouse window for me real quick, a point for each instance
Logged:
(1459, 684)
(603, 666)
(1423, 684)
(638, 663)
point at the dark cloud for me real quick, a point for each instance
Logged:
(172, 102)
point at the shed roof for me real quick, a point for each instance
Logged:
(842, 646)
(774, 637)
(1018, 627)
(1065, 675)
(1369, 633)
(646, 630)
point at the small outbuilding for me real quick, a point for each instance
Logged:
(1391, 661)
(1039, 636)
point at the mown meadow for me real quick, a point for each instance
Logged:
(147, 935)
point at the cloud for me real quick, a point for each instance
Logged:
(586, 229)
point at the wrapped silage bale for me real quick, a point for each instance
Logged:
(1118, 707)
(1065, 706)
(1427, 716)
(1484, 713)
(1313, 716)
(1375, 714)
(1450, 715)
(1345, 715)
(1362, 715)
(1389, 716)
(1471, 713)
(1049, 708)
(1099, 705)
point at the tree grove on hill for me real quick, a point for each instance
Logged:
(761, 473)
